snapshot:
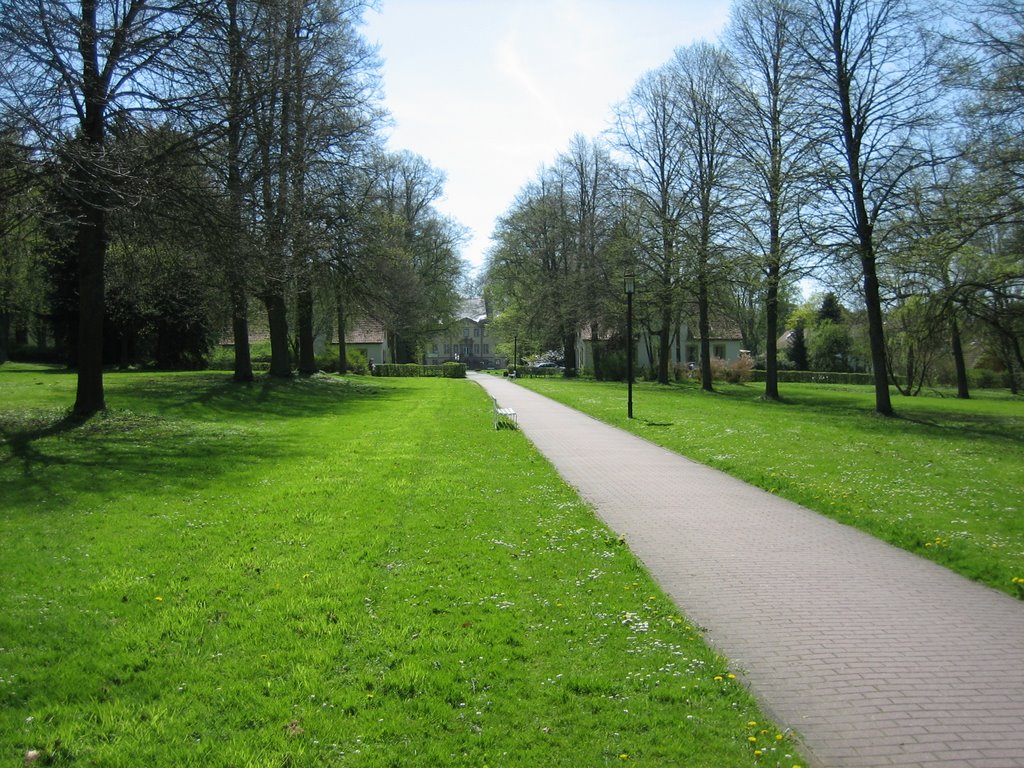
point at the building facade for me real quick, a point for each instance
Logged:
(468, 339)
(726, 345)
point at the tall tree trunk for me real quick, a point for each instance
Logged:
(304, 310)
(277, 316)
(962, 390)
(771, 348)
(865, 235)
(664, 344)
(704, 326)
(569, 353)
(342, 351)
(595, 351)
(240, 331)
(876, 333)
(92, 247)
(236, 269)
(92, 223)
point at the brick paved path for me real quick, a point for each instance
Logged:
(874, 656)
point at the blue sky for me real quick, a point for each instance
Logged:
(490, 90)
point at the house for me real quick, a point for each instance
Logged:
(370, 338)
(467, 339)
(726, 344)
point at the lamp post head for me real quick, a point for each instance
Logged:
(629, 281)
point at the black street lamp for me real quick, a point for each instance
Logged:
(629, 283)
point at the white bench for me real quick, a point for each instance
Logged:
(507, 415)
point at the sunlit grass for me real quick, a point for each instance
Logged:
(945, 479)
(328, 572)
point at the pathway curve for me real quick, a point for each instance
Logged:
(876, 657)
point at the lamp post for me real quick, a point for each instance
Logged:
(629, 283)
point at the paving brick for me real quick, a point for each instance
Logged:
(861, 638)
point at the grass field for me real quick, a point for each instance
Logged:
(945, 479)
(328, 572)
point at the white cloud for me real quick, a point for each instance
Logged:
(490, 90)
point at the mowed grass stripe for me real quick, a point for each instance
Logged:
(329, 572)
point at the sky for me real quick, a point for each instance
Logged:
(489, 91)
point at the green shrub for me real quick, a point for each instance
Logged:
(453, 370)
(740, 370)
(986, 378)
(613, 365)
(456, 371)
(357, 362)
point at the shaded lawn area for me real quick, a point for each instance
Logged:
(330, 571)
(944, 479)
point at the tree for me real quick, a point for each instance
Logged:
(588, 182)
(798, 347)
(874, 75)
(775, 150)
(648, 134)
(530, 268)
(422, 266)
(20, 289)
(66, 74)
(831, 310)
(705, 86)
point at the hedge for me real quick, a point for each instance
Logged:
(445, 370)
(526, 370)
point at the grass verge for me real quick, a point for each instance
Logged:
(328, 572)
(944, 479)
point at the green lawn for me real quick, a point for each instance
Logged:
(328, 572)
(944, 479)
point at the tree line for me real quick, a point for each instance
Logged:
(172, 168)
(874, 146)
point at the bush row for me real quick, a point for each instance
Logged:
(526, 370)
(446, 370)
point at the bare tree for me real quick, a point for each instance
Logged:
(875, 76)
(648, 133)
(591, 199)
(68, 71)
(774, 148)
(705, 89)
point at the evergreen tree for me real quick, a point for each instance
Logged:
(797, 351)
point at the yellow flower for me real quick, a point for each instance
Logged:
(159, 599)
(752, 724)
(752, 739)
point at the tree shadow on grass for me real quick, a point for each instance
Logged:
(213, 396)
(21, 435)
(176, 432)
